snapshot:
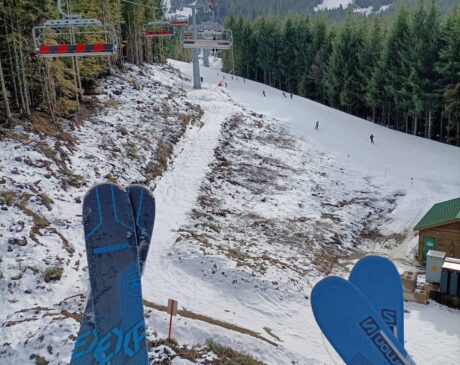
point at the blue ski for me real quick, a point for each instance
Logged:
(353, 326)
(115, 333)
(379, 280)
(144, 208)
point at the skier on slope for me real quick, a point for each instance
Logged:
(263, 92)
(291, 96)
(372, 138)
(284, 94)
(317, 125)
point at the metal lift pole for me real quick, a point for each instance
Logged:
(64, 14)
(196, 62)
(206, 53)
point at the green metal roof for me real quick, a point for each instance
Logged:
(441, 213)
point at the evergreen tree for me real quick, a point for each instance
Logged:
(342, 78)
(449, 68)
(397, 66)
(312, 84)
(426, 33)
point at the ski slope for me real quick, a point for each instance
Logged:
(141, 108)
(426, 171)
(429, 171)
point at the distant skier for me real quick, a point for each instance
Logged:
(291, 96)
(263, 92)
(284, 94)
(317, 125)
(244, 80)
(372, 138)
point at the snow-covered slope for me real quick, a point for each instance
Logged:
(426, 170)
(254, 207)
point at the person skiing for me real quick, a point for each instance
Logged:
(263, 92)
(284, 94)
(317, 125)
(291, 96)
(372, 138)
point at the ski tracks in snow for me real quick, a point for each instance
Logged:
(176, 194)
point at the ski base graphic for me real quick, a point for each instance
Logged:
(353, 326)
(378, 279)
(113, 329)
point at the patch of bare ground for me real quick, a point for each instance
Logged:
(222, 355)
(270, 204)
(215, 322)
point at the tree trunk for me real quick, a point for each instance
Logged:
(441, 129)
(388, 116)
(50, 100)
(430, 123)
(415, 126)
(5, 94)
(13, 79)
(24, 80)
(457, 139)
(18, 72)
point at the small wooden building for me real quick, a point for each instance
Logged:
(439, 230)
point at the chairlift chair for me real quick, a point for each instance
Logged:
(207, 39)
(178, 21)
(159, 29)
(68, 37)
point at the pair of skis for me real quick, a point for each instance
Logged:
(118, 226)
(363, 317)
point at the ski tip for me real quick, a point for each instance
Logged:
(140, 187)
(102, 185)
(374, 262)
(325, 287)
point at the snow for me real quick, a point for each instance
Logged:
(395, 164)
(254, 208)
(383, 8)
(370, 10)
(364, 11)
(333, 4)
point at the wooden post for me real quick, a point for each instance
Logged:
(5, 94)
(170, 325)
(172, 311)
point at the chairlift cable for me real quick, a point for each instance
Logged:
(142, 5)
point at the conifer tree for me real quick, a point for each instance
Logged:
(397, 65)
(449, 68)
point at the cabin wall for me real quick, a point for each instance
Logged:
(447, 239)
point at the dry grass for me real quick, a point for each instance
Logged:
(199, 317)
(53, 274)
(47, 201)
(8, 197)
(230, 357)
